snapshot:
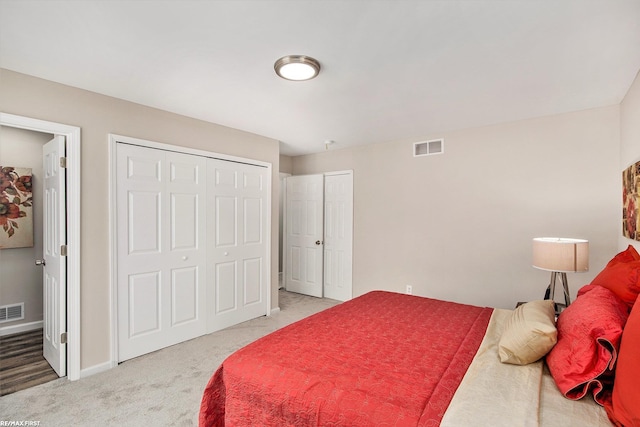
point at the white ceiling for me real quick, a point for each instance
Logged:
(391, 70)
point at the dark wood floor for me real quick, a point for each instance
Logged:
(21, 362)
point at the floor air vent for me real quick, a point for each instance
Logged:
(427, 148)
(9, 313)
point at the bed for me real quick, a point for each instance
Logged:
(389, 359)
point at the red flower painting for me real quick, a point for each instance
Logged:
(631, 201)
(16, 201)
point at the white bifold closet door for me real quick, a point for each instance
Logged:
(192, 246)
(237, 228)
(161, 199)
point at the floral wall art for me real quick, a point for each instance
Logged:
(16, 207)
(630, 201)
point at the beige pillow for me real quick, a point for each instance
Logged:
(529, 333)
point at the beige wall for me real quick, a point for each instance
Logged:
(97, 116)
(21, 278)
(458, 226)
(286, 164)
(629, 144)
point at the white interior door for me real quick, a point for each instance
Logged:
(304, 235)
(55, 266)
(237, 229)
(161, 199)
(338, 236)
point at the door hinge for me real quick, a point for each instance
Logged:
(63, 250)
(63, 162)
(63, 338)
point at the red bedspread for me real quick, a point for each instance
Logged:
(382, 359)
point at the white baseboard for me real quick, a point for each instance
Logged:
(23, 327)
(96, 369)
(274, 311)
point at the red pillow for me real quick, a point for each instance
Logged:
(628, 255)
(586, 288)
(625, 407)
(589, 332)
(623, 279)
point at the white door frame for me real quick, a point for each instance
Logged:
(114, 139)
(282, 220)
(72, 135)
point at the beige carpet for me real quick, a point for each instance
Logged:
(159, 389)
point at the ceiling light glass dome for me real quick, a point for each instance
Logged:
(297, 67)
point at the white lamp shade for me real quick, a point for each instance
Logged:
(561, 254)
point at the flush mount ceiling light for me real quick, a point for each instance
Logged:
(297, 67)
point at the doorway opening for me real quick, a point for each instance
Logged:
(68, 335)
(21, 327)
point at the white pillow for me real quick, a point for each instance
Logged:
(529, 334)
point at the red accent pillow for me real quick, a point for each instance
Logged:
(625, 407)
(586, 288)
(623, 279)
(628, 255)
(589, 332)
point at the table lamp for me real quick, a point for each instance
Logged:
(560, 256)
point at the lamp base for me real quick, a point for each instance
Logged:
(551, 289)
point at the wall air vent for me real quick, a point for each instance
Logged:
(427, 148)
(9, 313)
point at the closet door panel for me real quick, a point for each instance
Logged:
(161, 199)
(252, 274)
(237, 194)
(144, 219)
(226, 214)
(144, 303)
(252, 223)
(184, 232)
(184, 295)
(225, 294)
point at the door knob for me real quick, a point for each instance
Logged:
(40, 262)
(318, 242)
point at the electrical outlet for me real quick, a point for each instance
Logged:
(409, 289)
